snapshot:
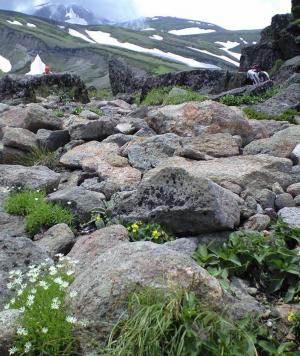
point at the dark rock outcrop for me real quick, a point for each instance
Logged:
(124, 79)
(278, 42)
(25, 89)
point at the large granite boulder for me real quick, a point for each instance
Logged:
(18, 138)
(180, 200)
(287, 98)
(193, 119)
(104, 285)
(281, 144)
(31, 178)
(291, 216)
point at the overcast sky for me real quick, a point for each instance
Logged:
(231, 14)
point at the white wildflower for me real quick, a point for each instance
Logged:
(58, 281)
(69, 202)
(22, 309)
(52, 271)
(73, 294)
(59, 255)
(44, 330)
(84, 323)
(44, 285)
(55, 304)
(33, 291)
(10, 285)
(36, 199)
(269, 323)
(20, 292)
(18, 280)
(6, 306)
(12, 301)
(27, 347)
(69, 273)
(71, 319)
(22, 331)
(12, 350)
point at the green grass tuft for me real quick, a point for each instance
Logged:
(288, 115)
(40, 156)
(39, 214)
(233, 100)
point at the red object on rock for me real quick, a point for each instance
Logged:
(47, 70)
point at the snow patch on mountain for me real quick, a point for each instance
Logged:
(17, 23)
(149, 29)
(156, 37)
(244, 41)
(191, 31)
(37, 66)
(227, 46)
(216, 55)
(5, 65)
(31, 25)
(75, 33)
(72, 17)
(105, 38)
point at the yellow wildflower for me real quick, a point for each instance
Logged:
(155, 234)
(290, 317)
(134, 227)
(98, 218)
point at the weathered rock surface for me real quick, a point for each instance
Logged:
(19, 138)
(182, 201)
(31, 178)
(194, 119)
(79, 200)
(16, 253)
(58, 239)
(291, 216)
(281, 144)
(25, 89)
(288, 98)
(52, 140)
(294, 189)
(260, 171)
(89, 247)
(126, 266)
(257, 222)
(284, 200)
(9, 322)
(31, 117)
(84, 129)
(145, 154)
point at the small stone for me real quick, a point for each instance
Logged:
(294, 189)
(284, 200)
(277, 189)
(297, 200)
(291, 216)
(257, 222)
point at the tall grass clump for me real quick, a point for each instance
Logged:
(40, 156)
(288, 115)
(39, 214)
(45, 328)
(176, 324)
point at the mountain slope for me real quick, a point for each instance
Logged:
(87, 49)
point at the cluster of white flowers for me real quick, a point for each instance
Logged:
(33, 282)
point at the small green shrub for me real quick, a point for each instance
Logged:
(288, 115)
(40, 156)
(40, 215)
(176, 324)
(102, 216)
(96, 111)
(45, 327)
(156, 96)
(233, 100)
(78, 110)
(159, 96)
(59, 114)
(101, 94)
(263, 259)
(140, 231)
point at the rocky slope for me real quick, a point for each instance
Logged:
(201, 169)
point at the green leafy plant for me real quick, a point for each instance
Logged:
(233, 100)
(141, 231)
(59, 114)
(96, 110)
(264, 259)
(288, 115)
(176, 324)
(45, 328)
(101, 94)
(102, 216)
(39, 214)
(159, 96)
(40, 156)
(78, 110)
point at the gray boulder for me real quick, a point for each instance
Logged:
(79, 200)
(103, 287)
(36, 117)
(257, 222)
(18, 138)
(31, 178)
(291, 216)
(58, 239)
(183, 202)
(16, 253)
(9, 322)
(284, 200)
(52, 140)
(294, 189)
